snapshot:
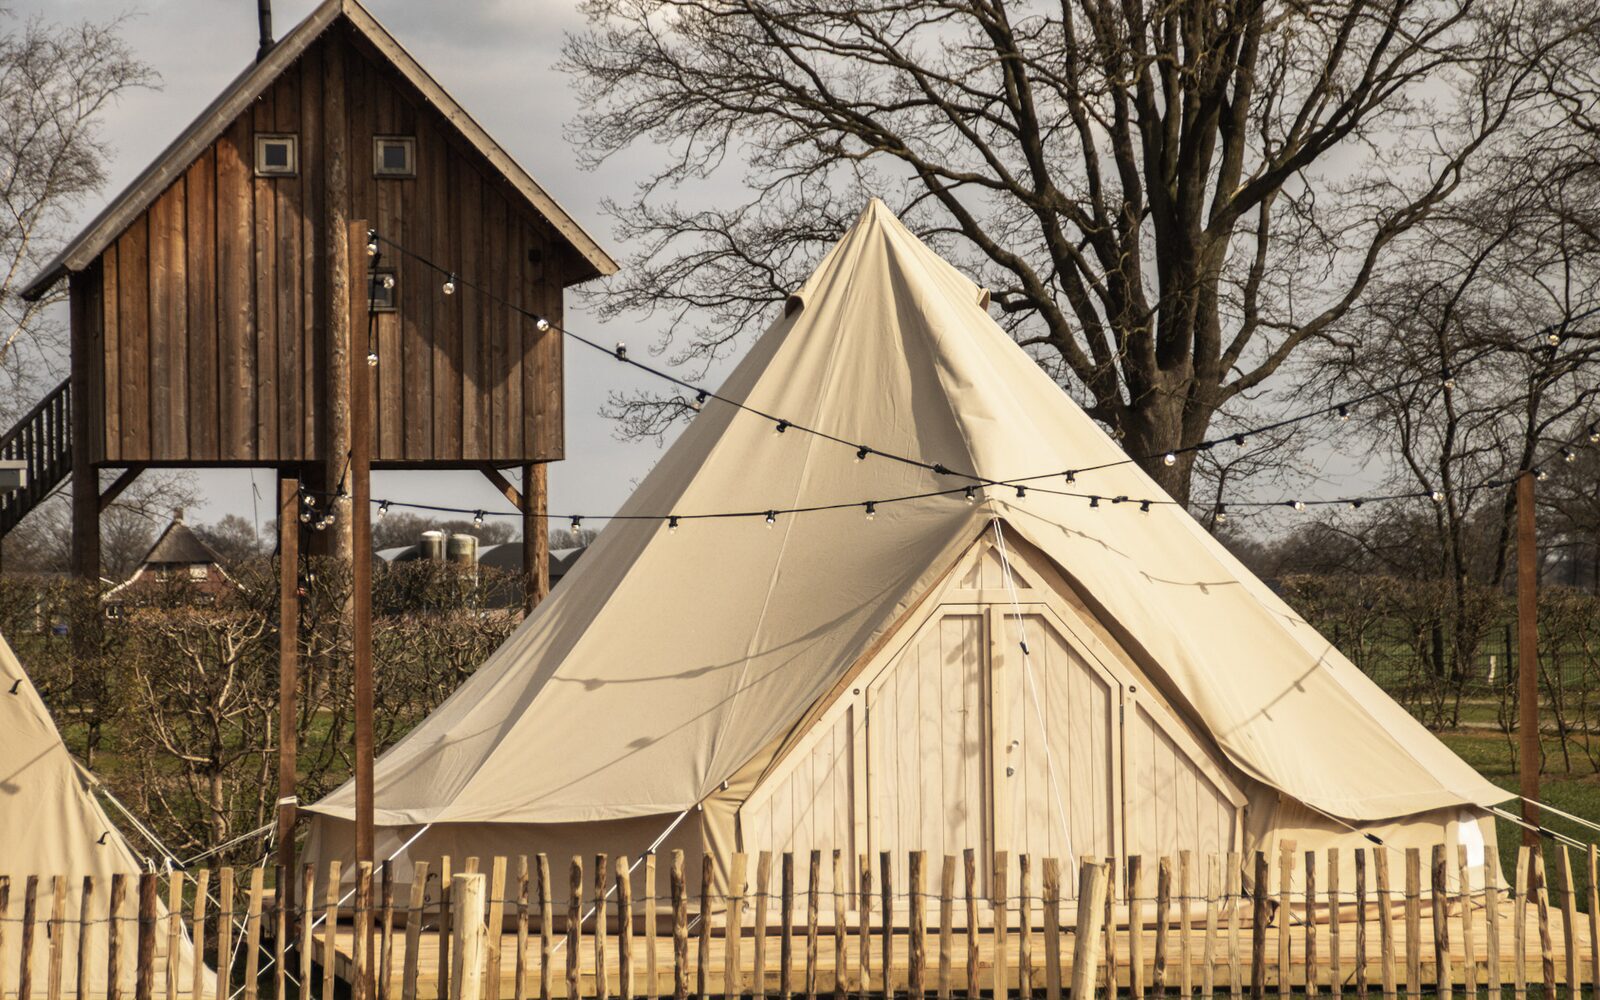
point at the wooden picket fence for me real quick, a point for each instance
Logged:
(1016, 930)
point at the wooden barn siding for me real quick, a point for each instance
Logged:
(812, 807)
(211, 303)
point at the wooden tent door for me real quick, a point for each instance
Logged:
(1057, 740)
(926, 741)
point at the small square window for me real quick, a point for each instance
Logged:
(277, 156)
(382, 296)
(394, 156)
(199, 572)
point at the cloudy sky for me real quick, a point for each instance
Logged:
(496, 57)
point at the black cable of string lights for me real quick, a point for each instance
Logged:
(1551, 335)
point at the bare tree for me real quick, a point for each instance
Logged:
(1167, 199)
(56, 82)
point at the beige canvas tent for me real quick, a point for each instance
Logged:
(834, 681)
(50, 825)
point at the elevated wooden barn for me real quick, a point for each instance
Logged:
(213, 311)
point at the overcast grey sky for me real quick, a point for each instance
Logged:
(496, 58)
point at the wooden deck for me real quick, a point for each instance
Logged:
(1230, 963)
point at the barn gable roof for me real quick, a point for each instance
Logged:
(251, 84)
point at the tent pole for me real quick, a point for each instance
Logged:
(1529, 755)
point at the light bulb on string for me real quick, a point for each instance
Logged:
(1169, 459)
(388, 281)
(577, 523)
(772, 518)
(1553, 339)
(1022, 492)
(1594, 433)
(1239, 439)
(1221, 515)
(1298, 504)
(1094, 501)
(781, 426)
(1541, 475)
(372, 243)
(972, 494)
(872, 510)
(1355, 505)
(372, 359)
(1344, 413)
(862, 453)
(621, 351)
(449, 286)
(541, 324)
(1070, 477)
(383, 508)
(305, 515)
(672, 525)
(1436, 496)
(1144, 506)
(329, 517)
(1568, 455)
(1447, 379)
(477, 519)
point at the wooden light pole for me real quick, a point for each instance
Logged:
(361, 532)
(288, 666)
(1529, 752)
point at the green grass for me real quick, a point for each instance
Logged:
(1490, 753)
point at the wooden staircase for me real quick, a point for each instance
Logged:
(43, 440)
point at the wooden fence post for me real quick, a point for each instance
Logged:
(1569, 922)
(733, 929)
(574, 927)
(886, 887)
(1024, 925)
(1258, 929)
(1310, 893)
(969, 862)
(1380, 871)
(1413, 903)
(947, 919)
(252, 940)
(680, 928)
(547, 923)
(1052, 929)
(1284, 919)
(468, 900)
(85, 930)
(703, 955)
(1519, 926)
(624, 886)
(520, 989)
(602, 983)
(1361, 922)
(786, 926)
(144, 979)
(1541, 890)
(1469, 944)
(492, 959)
(1136, 927)
(917, 923)
(5, 914)
(1208, 950)
(418, 901)
(119, 889)
(1335, 911)
(1000, 881)
(1109, 945)
(1086, 942)
(57, 931)
(813, 873)
(1443, 977)
(360, 939)
(763, 913)
(863, 925)
(30, 906)
(1163, 918)
(652, 984)
(1185, 945)
(1235, 889)
(841, 926)
(202, 890)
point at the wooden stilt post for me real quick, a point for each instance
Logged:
(288, 668)
(361, 535)
(535, 534)
(1528, 756)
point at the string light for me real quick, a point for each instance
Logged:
(477, 519)
(772, 518)
(872, 510)
(383, 508)
(372, 243)
(862, 453)
(1094, 501)
(1298, 504)
(1541, 475)
(972, 494)
(1553, 339)
(305, 515)
(622, 351)
(1221, 515)
(388, 281)
(672, 524)
(1169, 459)
(1144, 506)
(577, 523)
(1436, 496)
(1344, 413)
(1070, 477)
(1355, 505)
(1022, 492)
(1568, 455)
(449, 286)
(1239, 439)
(372, 359)
(1594, 433)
